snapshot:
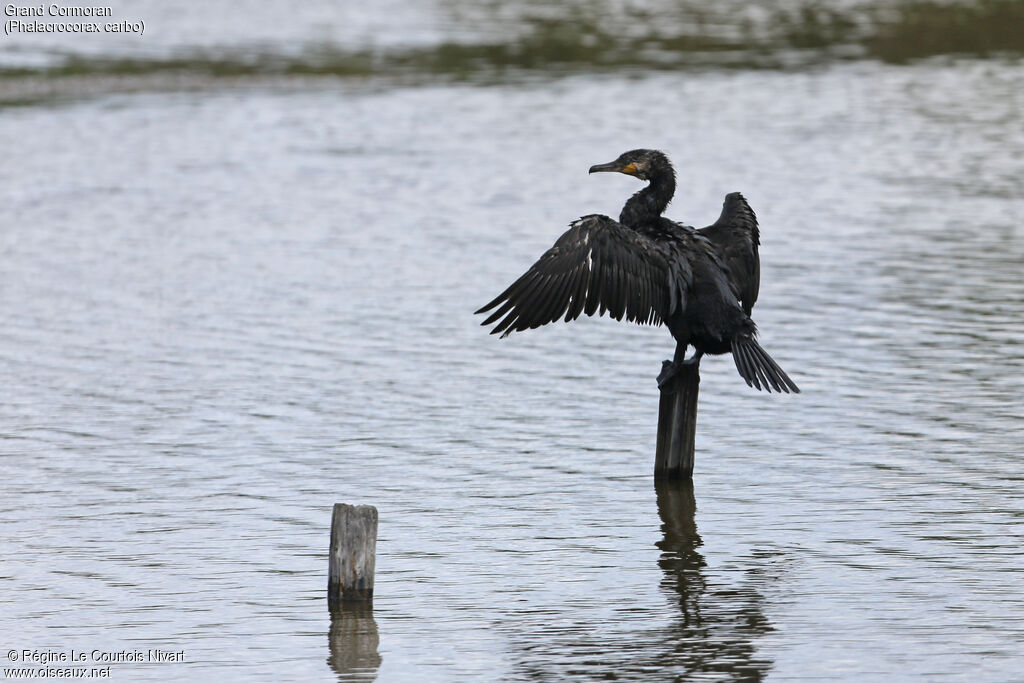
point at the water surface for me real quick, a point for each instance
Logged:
(226, 310)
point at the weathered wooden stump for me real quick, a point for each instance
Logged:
(677, 425)
(353, 556)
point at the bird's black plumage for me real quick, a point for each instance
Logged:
(701, 284)
(736, 236)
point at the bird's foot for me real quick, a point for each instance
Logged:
(668, 371)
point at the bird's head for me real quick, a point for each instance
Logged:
(644, 164)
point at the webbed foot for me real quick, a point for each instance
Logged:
(668, 371)
(669, 368)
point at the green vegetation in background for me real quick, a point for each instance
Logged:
(926, 29)
(589, 35)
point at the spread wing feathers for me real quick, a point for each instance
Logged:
(736, 236)
(598, 265)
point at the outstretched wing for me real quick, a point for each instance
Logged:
(736, 237)
(598, 265)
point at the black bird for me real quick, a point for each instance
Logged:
(702, 284)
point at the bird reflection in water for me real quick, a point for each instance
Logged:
(717, 626)
(354, 643)
(713, 635)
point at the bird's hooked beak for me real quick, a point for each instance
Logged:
(615, 166)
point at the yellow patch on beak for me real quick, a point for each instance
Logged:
(629, 169)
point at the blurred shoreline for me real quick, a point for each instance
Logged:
(499, 43)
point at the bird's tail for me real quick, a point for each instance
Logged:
(757, 367)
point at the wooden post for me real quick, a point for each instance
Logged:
(353, 554)
(677, 425)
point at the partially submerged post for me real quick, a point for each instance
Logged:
(677, 425)
(353, 554)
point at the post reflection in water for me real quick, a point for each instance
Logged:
(718, 626)
(354, 641)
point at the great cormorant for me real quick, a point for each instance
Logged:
(702, 284)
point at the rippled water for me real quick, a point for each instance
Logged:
(224, 312)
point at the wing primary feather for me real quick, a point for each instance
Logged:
(551, 302)
(540, 300)
(522, 307)
(502, 310)
(548, 305)
(657, 300)
(645, 299)
(564, 298)
(643, 311)
(596, 288)
(505, 324)
(534, 306)
(621, 286)
(630, 280)
(494, 302)
(609, 280)
(615, 291)
(520, 297)
(507, 294)
(579, 293)
(629, 289)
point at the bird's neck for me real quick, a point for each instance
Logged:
(650, 202)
